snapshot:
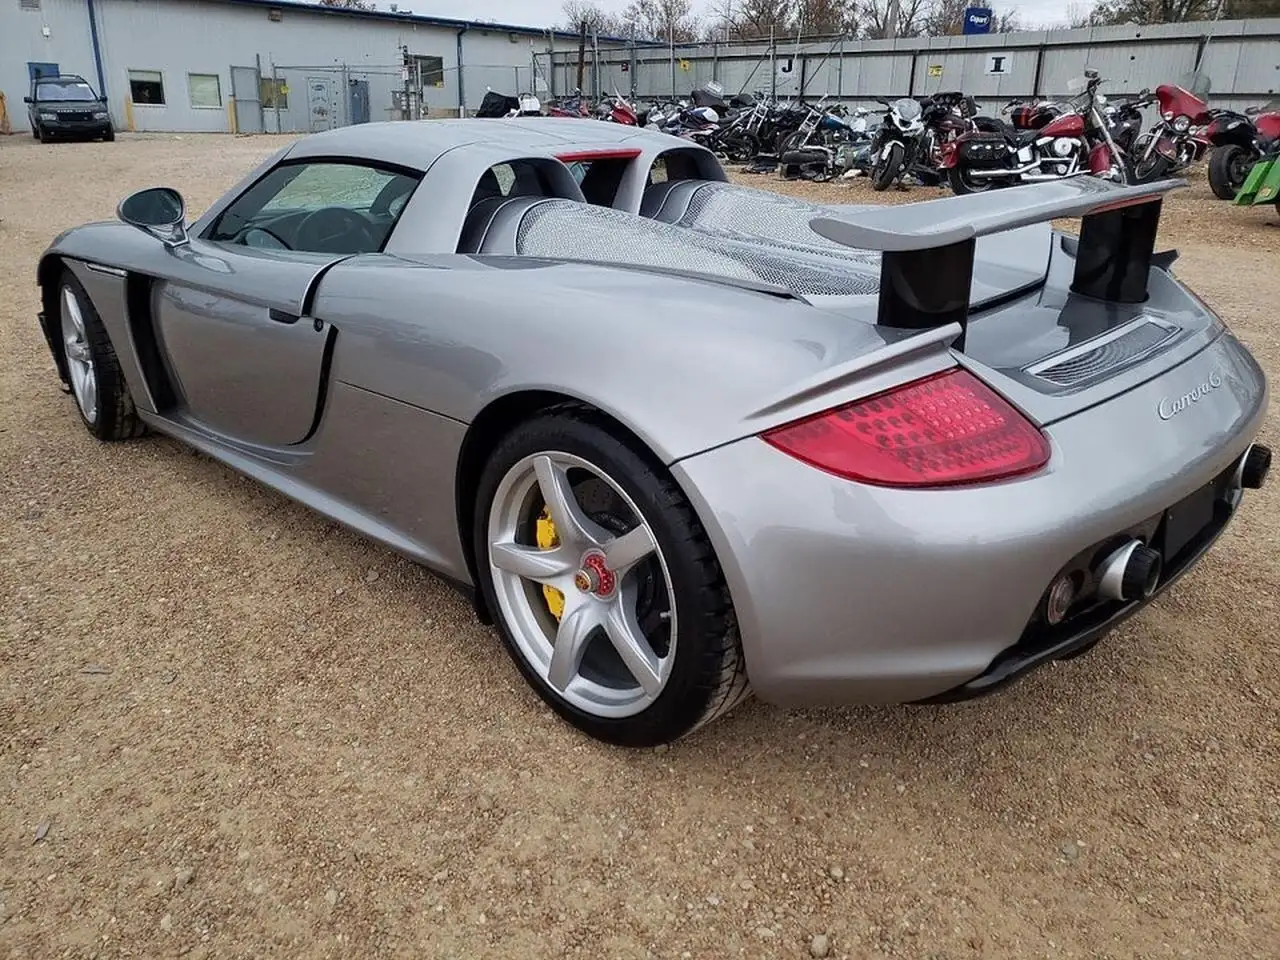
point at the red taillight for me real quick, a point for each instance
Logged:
(942, 430)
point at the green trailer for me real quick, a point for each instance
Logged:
(1262, 185)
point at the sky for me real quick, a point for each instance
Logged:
(542, 13)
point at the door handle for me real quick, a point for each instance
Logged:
(282, 316)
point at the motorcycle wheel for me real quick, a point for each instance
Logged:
(885, 170)
(790, 141)
(1152, 168)
(743, 149)
(961, 184)
(1228, 167)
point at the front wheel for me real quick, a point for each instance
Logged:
(1148, 169)
(603, 584)
(887, 166)
(1228, 169)
(109, 136)
(97, 383)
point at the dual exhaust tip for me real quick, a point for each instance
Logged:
(1132, 571)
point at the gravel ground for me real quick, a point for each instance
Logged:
(229, 728)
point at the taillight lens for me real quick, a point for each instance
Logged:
(942, 430)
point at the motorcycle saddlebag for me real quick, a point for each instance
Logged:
(985, 149)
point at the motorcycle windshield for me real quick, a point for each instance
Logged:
(907, 108)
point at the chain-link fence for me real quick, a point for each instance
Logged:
(301, 98)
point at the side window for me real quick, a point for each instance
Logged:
(519, 178)
(320, 207)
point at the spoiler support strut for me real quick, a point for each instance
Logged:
(927, 249)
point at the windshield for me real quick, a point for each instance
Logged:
(65, 90)
(907, 108)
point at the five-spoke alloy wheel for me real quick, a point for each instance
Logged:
(603, 583)
(93, 372)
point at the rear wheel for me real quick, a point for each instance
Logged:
(603, 584)
(888, 166)
(961, 183)
(1228, 168)
(101, 394)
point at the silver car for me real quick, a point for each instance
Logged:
(682, 440)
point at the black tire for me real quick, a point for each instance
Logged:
(1225, 163)
(40, 135)
(886, 170)
(109, 136)
(708, 676)
(117, 418)
(1156, 167)
(961, 184)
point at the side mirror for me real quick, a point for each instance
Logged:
(27, 100)
(160, 211)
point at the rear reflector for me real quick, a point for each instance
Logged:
(942, 430)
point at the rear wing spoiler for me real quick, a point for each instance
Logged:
(926, 267)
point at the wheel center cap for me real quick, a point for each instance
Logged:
(595, 577)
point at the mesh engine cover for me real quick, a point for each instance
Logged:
(742, 213)
(566, 229)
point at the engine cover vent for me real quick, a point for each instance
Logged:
(1105, 355)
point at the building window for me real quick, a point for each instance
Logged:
(431, 70)
(146, 86)
(28, 4)
(205, 89)
(274, 94)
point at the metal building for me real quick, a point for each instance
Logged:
(251, 66)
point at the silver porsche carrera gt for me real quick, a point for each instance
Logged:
(683, 440)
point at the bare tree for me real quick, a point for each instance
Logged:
(874, 16)
(825, 17)
(663, 19)
(580, 13)
(755, 19)
(1109, 12)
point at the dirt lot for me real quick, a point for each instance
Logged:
(229, 728)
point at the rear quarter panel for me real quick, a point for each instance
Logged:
(684, 364)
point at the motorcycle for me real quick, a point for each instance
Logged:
(574, 106)
(1076, 141)
(1177, 140)
(1238, 141)
(898, 143)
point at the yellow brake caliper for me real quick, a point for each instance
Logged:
(547, 539)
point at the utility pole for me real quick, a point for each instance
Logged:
(404, 72)
(582, 53)
(891, 21)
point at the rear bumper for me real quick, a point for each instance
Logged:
(848, 593)
(1041, 644)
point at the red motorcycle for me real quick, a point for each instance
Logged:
(616, 109)
(1060, 143)
(574, 106)
(1179, 137)
(1239, 141)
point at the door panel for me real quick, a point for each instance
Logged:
(245, 362)
(320, 103)
(246, 88)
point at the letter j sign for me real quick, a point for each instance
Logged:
(998, 64)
